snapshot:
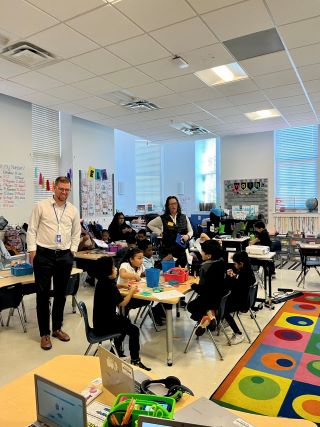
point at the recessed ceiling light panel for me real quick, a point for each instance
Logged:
(263, 114)
(222, 74)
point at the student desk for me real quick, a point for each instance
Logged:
(184, 288)
(310, 258)
(8, 279)
(264, 261)
(17, 399)
(92, 255)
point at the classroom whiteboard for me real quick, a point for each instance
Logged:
(12, 185)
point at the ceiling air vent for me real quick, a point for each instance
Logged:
(27, 54)
(141, 105)
(190, 129)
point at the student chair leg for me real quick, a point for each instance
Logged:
(75, 304)
(24, 312)
(150, 313)
(88, 349)
(254, 317)
(11, 311)
(224, 332)
(215, 344)
(1, 320)
(190, 338)
(244, 329)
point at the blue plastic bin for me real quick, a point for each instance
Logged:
(21, 269)
(166, 265)
(152, 276)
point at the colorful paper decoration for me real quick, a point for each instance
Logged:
(36, 172)
(48, 185)
(43, 182)
(104, 174)
(40, 179)
(91, 172)
(98, 174)
(52, 186)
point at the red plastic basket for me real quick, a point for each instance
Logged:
(176, 274)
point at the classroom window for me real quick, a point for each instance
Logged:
(148, 175)
(296, 167)
(206, 172)
(45, 149)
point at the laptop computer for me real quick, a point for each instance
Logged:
(58, 406)
(144, 421)
(117, 375)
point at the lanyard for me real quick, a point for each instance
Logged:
(59, 219)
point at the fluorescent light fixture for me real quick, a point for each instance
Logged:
(222, 74)
(263, 114)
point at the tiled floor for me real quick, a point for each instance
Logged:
(200, 369)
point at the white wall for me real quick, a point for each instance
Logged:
(125, 172)
(246, 157)
(92, 145)
(16, 149)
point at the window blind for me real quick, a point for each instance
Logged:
(296, 166)
(148, 171)
(45, 148)
(205, 169)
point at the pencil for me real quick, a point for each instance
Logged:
(128, 413)
(114, 420)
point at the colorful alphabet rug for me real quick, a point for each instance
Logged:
(279, 375)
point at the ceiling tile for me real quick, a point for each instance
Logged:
(96, 86)
(264, 64)
(10, 69)
(286, 11)
(128, 78)
(105, 26)
(301, 33)
(14, 89)
(54, 41)
(202, 6)
(279, 78)
(204, 94)
(152, 14)
(67, 93)
(172, 100)
(208, 56)
(284, 91)
(99, 62)
(303, 108)
(235, 88)
(312, 86)
(214, 104)
(40, 98)
(163, 69)
(116, 111)
(239, 20)
(306, 55)
(183, 83)
(94, 103)
(62, 9)
(92, 116)
(247, 98)
(66, 72)
(309, 72)
(185, 36)
(22, 18)
(256, 106)
(36, 81)
(139, 50)
(291, 100)
(69, 107)
(150, 90)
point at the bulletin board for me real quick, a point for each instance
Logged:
(12, 185)
(247, 192)
(96, 193)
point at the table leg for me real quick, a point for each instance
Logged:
(169, 334)
(268, 302)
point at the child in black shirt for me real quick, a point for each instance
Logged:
(106, 320)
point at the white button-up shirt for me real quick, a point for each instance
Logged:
(49, 220)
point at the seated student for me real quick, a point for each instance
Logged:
(239, 282)
(120, 255)
(86, 244)
(106, 320)
(263, 239)
(211, 287)
(4, 254)
(142, 234)
(105, 236)
(146, 247)
(131, 270)
(216, 214)
(118, 229)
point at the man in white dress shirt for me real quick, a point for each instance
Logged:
(53, 238)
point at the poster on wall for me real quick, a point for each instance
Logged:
(96, 193)
(247, 196)
(12, 185)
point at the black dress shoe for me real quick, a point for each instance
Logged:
(140, 365)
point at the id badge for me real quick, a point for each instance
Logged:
(58, 238)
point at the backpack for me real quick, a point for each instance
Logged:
(12, 239)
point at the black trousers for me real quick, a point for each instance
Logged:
(123, 325)
(50, 264)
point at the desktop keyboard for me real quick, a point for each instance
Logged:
(286, 297)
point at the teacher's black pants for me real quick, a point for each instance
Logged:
(57, 265)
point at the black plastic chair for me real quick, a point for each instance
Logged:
(72, 289)
(91, 336)
(219, 316)
(252, 295)
(11, 297)
(310, 258)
